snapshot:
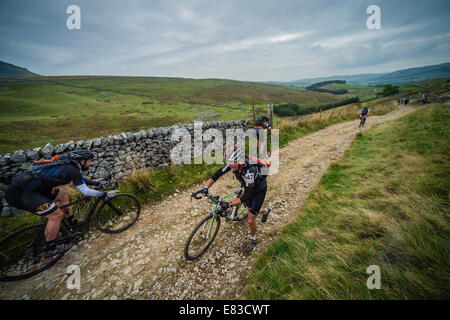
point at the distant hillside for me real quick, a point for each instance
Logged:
(10, 70)
(404, 76)
(59, 109)
(415, 74)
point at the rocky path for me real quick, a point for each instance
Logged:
(146, 262)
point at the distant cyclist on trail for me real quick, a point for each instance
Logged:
(35, 191)
(363, 113)
(254, 183)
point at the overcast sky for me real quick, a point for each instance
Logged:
(259, 40)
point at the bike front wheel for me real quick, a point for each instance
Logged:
(117, 214)
(201, 237)
(22, 253)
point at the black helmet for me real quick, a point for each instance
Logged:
(81, 154)
(262, 122)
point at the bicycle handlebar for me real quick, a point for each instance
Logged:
(113, 186)
(210, 197)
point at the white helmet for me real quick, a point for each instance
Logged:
(235, 154)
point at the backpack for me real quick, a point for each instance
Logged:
(262, 123)
(40, 169)
(262, 164)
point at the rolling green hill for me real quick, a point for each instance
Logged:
(10, 70)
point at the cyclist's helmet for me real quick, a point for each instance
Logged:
(235, 154)
(81, 154)
(263, 122)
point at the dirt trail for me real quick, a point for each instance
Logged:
(146, 262)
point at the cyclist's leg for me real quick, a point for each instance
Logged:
(255, 208)
(53, 224)
(252, 223)
(42, 205)
(62, 198)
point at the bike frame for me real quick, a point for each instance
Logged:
(91, 211)
(86, 221)
(216, 212)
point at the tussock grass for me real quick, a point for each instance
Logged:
(387, 204)
(151, 185)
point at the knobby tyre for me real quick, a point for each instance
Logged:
(22, 253)
(117, 214)
(198, 243)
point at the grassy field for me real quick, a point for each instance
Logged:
(364, 93)
(387, 204)
(434, 86)
(59, 109)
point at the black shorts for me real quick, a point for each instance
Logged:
(255, 203)
(37, 202)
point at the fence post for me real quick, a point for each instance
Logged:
(270, 113)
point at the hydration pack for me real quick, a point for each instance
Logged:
(258, 161)
(262, 164)
(41, 169)
(262, 123)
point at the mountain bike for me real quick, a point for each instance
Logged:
(23, 252)
(362, 122)
(205, 232)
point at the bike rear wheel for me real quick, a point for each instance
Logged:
(22, 253)
(117, 214)
(238, 213)
(201, 237)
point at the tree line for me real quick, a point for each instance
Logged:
(317, 87)
(293, 109)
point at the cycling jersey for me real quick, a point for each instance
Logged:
(55, 176)
(252, 180)
(365, 111)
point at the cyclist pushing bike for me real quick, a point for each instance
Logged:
(254, 183)
(35, 190)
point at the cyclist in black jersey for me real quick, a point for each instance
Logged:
(254, 183)
(38, 195)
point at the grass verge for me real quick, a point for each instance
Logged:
(386, 204)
